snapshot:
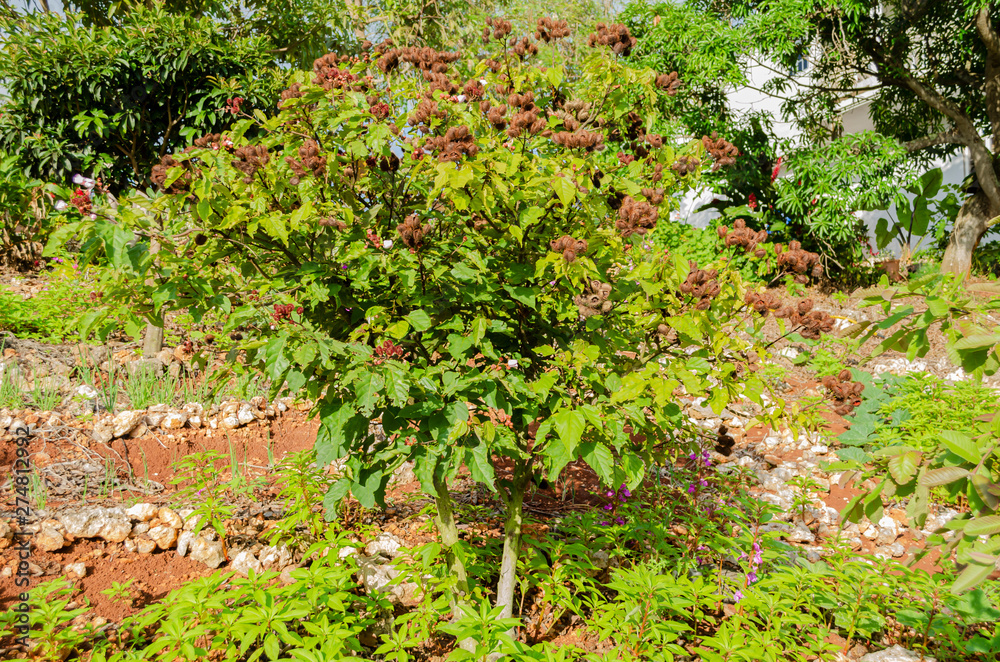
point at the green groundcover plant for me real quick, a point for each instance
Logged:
(451, 246)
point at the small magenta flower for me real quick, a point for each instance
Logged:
(626, 492)
(738, 595)
(752, 576)
(608, 506)
(619, 521)
(692, 489)
(609, 494)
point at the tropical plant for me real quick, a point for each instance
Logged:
(110, 101)
(454, 247)
(913, 219)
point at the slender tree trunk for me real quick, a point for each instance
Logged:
(972, 222)
(512, 541)
(448, 530)
(446, 526)
(152, 340)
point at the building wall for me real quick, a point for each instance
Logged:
(855, 118)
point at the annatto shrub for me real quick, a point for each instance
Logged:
(452, 245)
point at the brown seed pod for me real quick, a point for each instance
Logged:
(412, 232)
(686, 165)
(669, 82)
(569, 247)
(594, 299)
(723, 153)
(635, 217)
(616, 37)
(551, 29)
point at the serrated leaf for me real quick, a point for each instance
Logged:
(961, 445)
(854, 455)
(943, 476)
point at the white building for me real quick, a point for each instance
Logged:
(855, 118)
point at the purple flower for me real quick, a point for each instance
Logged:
(603, 523)
(622, 498)
(692, 489)
(752, 576)
(626, 491)
(738, 595)
(608, 506)
(693, 456)
(609, 494)
(703, 482)
(619, 521)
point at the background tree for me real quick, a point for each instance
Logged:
(110, 101)
(931, 70)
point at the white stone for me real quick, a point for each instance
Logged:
(229, 423)
(244, 561)
(275, 558)
(184, 541)
(789, 353)
(76, 570)
(87, 392)
(895, 654)
(95, 522)
(193, 408)
(245, 414)
(801, 533)
(170, 518)
(174, 420)
(145, 545)
(896, 549)
(194, 421)
(125, 422)
(49, 539)
(346, 551)
(142, 512)
(208, 552)
(164, 536)
(385, 544)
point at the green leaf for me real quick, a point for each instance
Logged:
(903, 467)
(419, 320)
(983, 526)
(367, 387)
(978, 341)
(854, 454)
(961, 445)
(478, 460)
(943, 476)
(988, 491)
(599, 458)
(973, 575)
(569, 424)
(565, 189)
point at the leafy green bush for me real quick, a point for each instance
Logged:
(704, 247)
(468, 267)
